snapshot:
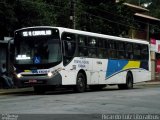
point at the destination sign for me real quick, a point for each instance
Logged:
(36, 33)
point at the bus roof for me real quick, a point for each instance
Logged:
(62, 29)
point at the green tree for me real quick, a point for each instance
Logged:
(8, 19)
(35, 13)
(104, 17)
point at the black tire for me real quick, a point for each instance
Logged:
(39, 89)
(129, 82)
(80, 84)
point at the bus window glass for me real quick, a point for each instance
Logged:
(144, 52)
(43, 49)
(111, 45)
(112, 49)
(129, 50)
(69, 48)
(120, 46)
(82, 40)
(112, 53)
(120, 50)
(136, 51)
(37, 46)
(128, 47)
(69, 44)
(53, 51)
(102, 53)
(82, 46)
(83, 51)
(92, 53)
(92, 42)
(101, 43)
(68, 37)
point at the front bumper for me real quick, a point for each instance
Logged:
(41, 80)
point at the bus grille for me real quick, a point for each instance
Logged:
(34, 75)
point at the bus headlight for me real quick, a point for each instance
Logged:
(50, 74)
(19, 75)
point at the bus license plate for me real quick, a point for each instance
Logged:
(32, 81)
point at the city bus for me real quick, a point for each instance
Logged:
(53, 57)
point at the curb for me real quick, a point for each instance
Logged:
(149, 83)
(16, 90)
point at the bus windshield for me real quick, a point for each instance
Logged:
(38, 50)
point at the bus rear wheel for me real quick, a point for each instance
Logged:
(80, 84)
(129, 82)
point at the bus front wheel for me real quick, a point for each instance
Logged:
(80, 84)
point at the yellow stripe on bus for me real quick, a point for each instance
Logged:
(27, 70)
(132, 64)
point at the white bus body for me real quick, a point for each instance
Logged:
(96, 70)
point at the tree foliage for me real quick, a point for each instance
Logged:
(7, 18)
(101, 16)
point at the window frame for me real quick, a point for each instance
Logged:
(67, 59)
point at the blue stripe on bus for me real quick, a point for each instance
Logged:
(115, 66)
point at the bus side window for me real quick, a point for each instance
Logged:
(112, 49)
(92, 46)
(129, 50)
(69, 43)
(144, 52)
(92, 42)
(101, 43)
(92, 53)
(69, 46)
(106, 49)
(101, 53)
(82, 40)
(120, 50)
(82, 46)
(83, 51)
(136, 51)
(101, 48)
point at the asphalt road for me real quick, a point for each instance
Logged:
(140, 100)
